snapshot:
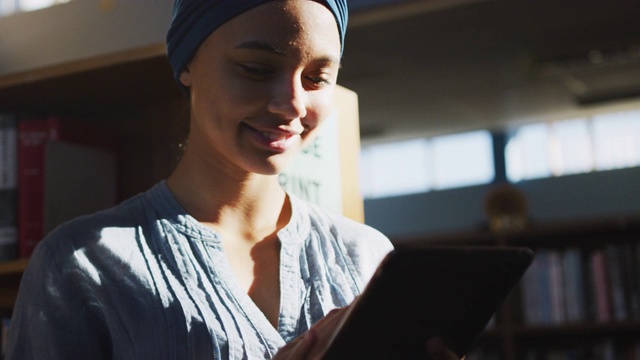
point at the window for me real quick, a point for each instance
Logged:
(534, 151)
(570, 147)
(419, 165)
(396, 168)
(8, 7)
(463, 159)
(601, 142)
(526, 153)
(616, 139)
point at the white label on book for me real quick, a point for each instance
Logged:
(8, 235)
(8, 158)
(314, 174)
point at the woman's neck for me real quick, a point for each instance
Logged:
(240, 206)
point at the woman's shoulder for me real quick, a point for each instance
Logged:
(115, 223)
(351, 231)
(365, 245)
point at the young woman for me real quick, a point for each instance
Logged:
(216, 262)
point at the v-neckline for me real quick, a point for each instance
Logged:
(291, 237)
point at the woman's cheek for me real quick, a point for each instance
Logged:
(322, 108)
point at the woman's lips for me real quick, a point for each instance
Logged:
(274, 136)
(275, 140)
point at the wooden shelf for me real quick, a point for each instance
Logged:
(10, 275)
(13, 267)
(580, 329)
(132, 78)
(568, 233)
(510, 337)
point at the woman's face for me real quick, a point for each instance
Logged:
(261, 84)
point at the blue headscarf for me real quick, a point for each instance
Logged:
(194, 20)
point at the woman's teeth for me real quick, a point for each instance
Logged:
(275, 136)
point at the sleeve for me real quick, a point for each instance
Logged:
(50, 321)
(369, 251)
(365, 246)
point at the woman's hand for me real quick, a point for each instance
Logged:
(439, 351)
(312, 344)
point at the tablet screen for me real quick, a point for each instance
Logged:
(419, 293)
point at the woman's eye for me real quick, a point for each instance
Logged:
(319, 80)
(256, 71)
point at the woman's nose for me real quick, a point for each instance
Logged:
(289, 99)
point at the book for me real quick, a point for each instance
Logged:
(575, 295)
(529, 290)
(536, 296)
(591, 307)
(78, 180)
(8, 187)
(556, 288)
(4, 334)
(630, 278)
(34, 134)
(601, 286)
(545, 315)
(617, 283)
(599, 349)
(32, 138)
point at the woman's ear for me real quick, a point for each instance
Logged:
(185, 77)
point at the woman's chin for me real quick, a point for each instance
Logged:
(272, 166)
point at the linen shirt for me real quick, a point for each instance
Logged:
(145, 280)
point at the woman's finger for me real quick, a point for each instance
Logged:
(438, 350)
(313, 343)
(299, 348)
(326, 329)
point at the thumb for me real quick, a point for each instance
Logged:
(438, 350)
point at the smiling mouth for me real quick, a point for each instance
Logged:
(278, 141)
(277, 136)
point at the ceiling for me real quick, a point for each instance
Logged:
(438, 66)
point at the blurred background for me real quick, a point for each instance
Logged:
(458, 96)
(455, 96)
(482, 122)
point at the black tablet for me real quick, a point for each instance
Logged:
(419, 293)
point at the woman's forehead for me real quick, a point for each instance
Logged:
(194, 20)
(283, 23)
(307, 32)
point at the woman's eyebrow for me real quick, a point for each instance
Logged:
(270, 48)
(262, 46)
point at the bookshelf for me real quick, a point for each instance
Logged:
(100, 90)
(10, 274)
(133, 92)
(13, 267)
(514, 337)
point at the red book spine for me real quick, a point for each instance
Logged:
(33, 136)
(8, 187)
(601, 286)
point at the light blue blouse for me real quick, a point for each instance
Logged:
(144, 280)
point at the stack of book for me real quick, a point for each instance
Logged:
(53, 169)
(8, 186)
(574, 285)
(606, 349)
